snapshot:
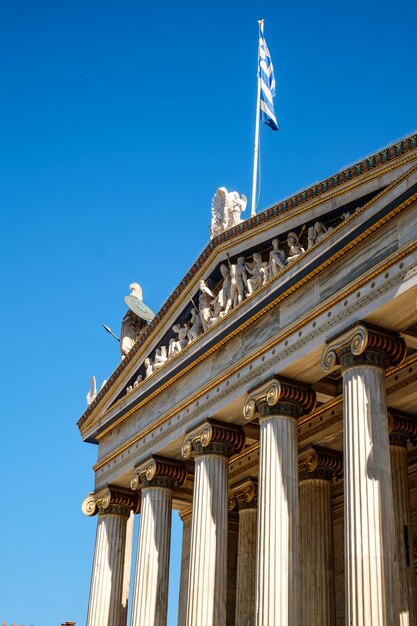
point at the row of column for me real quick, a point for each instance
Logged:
(290, 581)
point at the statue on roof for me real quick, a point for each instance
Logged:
(226, 208)
(135, 320)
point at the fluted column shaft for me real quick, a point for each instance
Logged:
(279, 402)
(212, 443)
(277, 584)
(371, 577)
(207, 586)
(246, 566)
(150, 600)
(369, 515)
(316, 545)
(106, 592)
(185, 569)
(404, 538)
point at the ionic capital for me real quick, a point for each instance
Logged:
(159, 472)
(363, 344)
(280, 396)
(111, 500)
(213, 437)
(244, 495)
(402, 427)
(319, 463)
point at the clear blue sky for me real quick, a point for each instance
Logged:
(118, 121)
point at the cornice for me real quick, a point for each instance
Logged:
(255, 225)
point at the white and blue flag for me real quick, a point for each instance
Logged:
(267, 84)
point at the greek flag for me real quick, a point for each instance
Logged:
(267, 84)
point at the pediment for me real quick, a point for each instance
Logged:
(347, 204)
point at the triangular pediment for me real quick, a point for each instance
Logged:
(346, 204)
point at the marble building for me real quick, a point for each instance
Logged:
(272, 402)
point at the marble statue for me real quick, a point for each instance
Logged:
(241, 279)
(258, 274)
(277, 259)
(135, 320)
(226, 208)
(176, 345)
(204, 305)
(222, 301)
(196, 327)
(294, 247)
(93, 389)
(160, 357)
(316, 233)
(132, 326)
(148, 367)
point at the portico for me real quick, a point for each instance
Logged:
(292, 404)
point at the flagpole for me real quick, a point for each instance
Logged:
(256, 145)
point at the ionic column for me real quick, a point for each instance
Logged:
(185, 565)
(364, 352)
(402, 427)
(107, 604)
(279, 403)
(212, 444)
(317, 467)
(244, 498)
(156, 479)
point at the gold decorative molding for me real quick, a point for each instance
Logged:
(111, 500)
(159, 472)
(280, 396)
(244, 494)
(317, 462)
(363, 344)
(213, 437)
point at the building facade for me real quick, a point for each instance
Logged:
(282, 429)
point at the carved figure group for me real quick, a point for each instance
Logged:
(239, 280)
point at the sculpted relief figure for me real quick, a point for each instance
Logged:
(222, 302)
(277, 259)
(294, 248)
(204, 305)
(148, 367)
(160, 357)
(241, 279)
(316, 233)
(226, 208)
(259, 274)
(196, 326)
(176, 345)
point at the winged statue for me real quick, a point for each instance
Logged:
(226, 207)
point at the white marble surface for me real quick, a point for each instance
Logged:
(371, 596)
(107, 597)
(246, 567)
(150, 597)
(207, 585)
(407, 597)
(278, 575)
(185, 569)
(316, 553)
